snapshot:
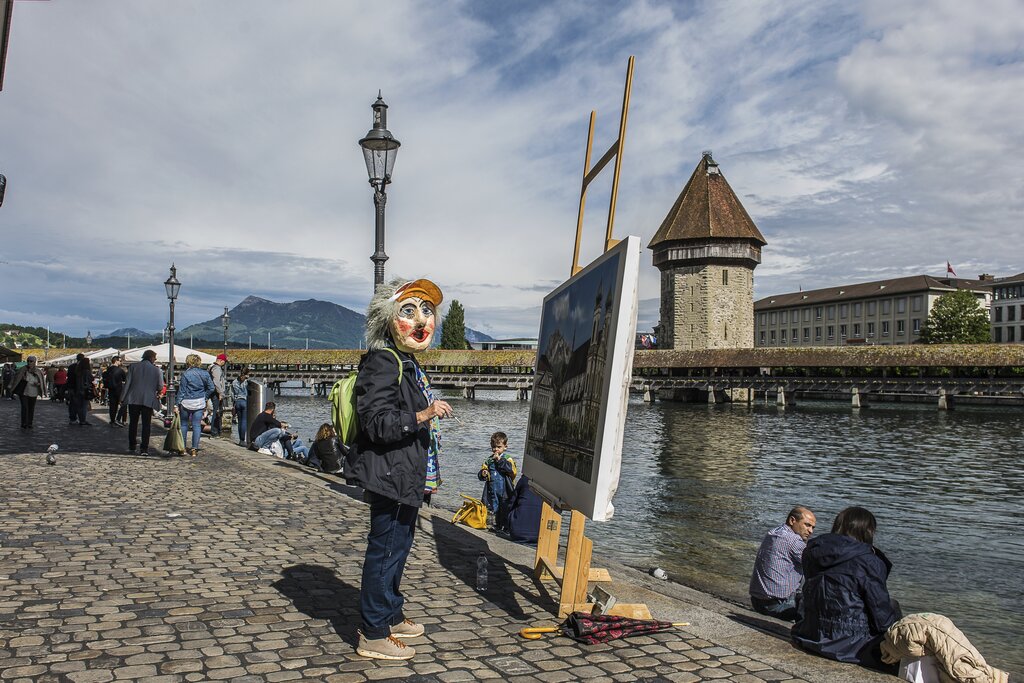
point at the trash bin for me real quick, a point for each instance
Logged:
(256, 400)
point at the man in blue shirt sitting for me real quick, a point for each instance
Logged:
(778, 572)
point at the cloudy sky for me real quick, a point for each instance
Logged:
(866, 139)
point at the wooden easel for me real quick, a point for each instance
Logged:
(573, 577)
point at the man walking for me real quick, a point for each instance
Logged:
(113, 379)
(778, 572)
(142, 392)
(220, 384)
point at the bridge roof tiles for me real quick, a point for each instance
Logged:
(910, 355)
(907, 355)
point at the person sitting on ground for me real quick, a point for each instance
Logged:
(326, 450)
(194, 387)
(498, 472)
(846, 604)
(778, 572)
(266, 429)
(524, 509)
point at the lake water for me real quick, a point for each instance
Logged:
(700, 485)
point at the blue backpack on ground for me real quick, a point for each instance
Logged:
(343, 403)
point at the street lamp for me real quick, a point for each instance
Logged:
(224, 319)
(379, 151)
(171, 285)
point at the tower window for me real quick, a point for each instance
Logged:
(725, 277)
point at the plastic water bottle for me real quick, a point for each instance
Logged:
(481, 572)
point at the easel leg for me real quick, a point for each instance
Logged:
(577, 566)
(547, 542)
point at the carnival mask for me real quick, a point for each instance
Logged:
(413, 325)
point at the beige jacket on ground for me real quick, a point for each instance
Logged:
(917, 635)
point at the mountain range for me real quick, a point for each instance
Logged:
(129, 331)
(318, 324)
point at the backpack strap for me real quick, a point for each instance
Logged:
(397, 360)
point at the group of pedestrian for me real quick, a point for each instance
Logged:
(834, 587)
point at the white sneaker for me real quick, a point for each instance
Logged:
(407, 629)
(384, 648)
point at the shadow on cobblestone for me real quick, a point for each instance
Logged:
(457, 551)
(318, 592)
(772, 628)
(52, 426)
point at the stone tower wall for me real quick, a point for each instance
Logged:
(700, 310)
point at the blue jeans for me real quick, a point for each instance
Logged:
(274, 434)
(194, 418)
(300, 451)
(787, 609)
(392, 527)
(240, 408)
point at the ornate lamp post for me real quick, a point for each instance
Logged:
(172, 286)
(379, 151)
(224, 320)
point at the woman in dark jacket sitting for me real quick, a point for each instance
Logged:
(326, 452)
(846, 605)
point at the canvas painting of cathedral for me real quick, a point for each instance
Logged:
(581, 383)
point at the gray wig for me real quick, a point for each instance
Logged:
(380, 313)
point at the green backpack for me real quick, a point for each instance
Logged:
(343, 403)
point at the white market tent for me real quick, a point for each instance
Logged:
(98, 355)
(163, 354)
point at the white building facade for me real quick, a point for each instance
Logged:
(1007, 314)
(880, 312)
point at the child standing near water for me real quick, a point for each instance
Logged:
(498, 472)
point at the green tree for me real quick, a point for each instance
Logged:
(453, 328)
(956, 318)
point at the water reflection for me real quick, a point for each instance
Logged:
(701, 484)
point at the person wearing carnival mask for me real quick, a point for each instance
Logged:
(395, 456)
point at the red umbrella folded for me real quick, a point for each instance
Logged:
(600, 628)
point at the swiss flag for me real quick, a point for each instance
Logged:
(949, 269)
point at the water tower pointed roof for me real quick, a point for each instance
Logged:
(707, 208)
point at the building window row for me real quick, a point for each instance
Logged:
(842, 311)
(1007, 334)
(1011, 313)
(1013, 292)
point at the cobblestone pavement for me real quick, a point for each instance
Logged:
(235, 566)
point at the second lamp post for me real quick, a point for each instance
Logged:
(225, 319)
(379, 151)
(171, 285)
